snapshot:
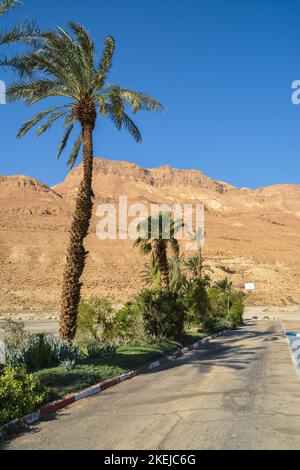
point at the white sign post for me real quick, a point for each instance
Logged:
(250, 286)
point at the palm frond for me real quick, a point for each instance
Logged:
(150, 274)
(174, 245)
(75, 151)
(33, 91)
(17, 64)
(7, 5)
(50, 122)
(65, 139)
(106, 61)
(86, 42)
(27, 32)
(35, 120)
(225, 285)
(63, 66)
(139, 101)
(132, 128)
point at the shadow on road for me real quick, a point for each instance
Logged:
(228, 351)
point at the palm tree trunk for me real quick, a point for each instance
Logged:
(200, 263)
(163, 265)
(76, 253)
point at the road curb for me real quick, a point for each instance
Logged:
(101, 386)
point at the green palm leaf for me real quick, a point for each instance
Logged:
(75, 151)
(7, 5)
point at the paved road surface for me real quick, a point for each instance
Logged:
(35, 326)
(238, 392)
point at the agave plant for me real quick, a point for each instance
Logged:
(65, 66)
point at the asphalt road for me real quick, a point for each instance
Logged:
(35, 326)
(239, 392)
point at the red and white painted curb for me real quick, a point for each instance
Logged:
(100, 387)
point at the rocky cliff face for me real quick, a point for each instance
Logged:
(250, 235)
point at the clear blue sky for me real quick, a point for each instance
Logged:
(222, 68)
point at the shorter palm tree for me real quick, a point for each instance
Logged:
(196, 267)
(225, 286)
(156, 234)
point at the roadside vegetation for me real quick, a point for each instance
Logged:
(109, 342)
(179, 303)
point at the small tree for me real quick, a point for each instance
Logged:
(156, 234)
(225, 286)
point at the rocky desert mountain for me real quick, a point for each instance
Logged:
(251, 235)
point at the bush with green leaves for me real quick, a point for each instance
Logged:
(40, 351)
(20, 393)
(162, 313)
(217, 301)
(237, 308)
(15, 335)
(226, 308)
(88, 347)
(195, 302)
(68, 364)
(129, 323)
(96, 319)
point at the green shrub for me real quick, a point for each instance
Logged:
(217, 302)
(20, 394)
(68, 364)
(162, 313)
(40, 351)
(195, 303)
(129, 323)
(95, 319)
(15, 335)
(237, 307)
(88, 347)
(224, 323)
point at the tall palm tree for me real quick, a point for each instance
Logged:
(64, 66)
(156, 234)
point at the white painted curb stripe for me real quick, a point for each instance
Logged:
(32, 418)
(88, 392)
(127, 376)
(154, 365)
(171, 358)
